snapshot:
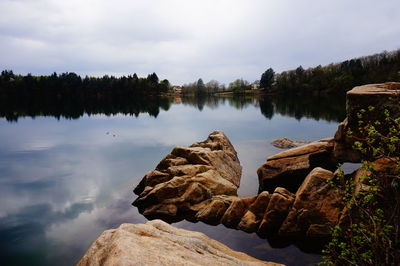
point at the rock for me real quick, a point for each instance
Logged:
(289, 168)
(343, 150)
(381, 97)
(316, 209)
(189, 176)
(285, 143)
(252, 218)
(158, 243)
(236, 210)
(212, 211)
(278, 207)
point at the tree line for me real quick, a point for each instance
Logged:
(69, 95)
(336, 78)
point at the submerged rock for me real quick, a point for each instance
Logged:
(278, 207)
(285, 143)
(289, 168)
(158, 243)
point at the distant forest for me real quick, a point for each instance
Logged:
(70, 94)
(335, 78)
(68, 90)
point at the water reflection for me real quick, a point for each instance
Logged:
(62, 182)
(328, 108)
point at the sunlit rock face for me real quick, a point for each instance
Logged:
(187, 178)
(158, 243)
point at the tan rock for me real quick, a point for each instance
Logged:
(212, 212)
(236, 210)
(252, 218)
(278, 207)
(289, 168)
(285, 143)
(381, 97)
(316, 209)
(188, 176)
(158, 243)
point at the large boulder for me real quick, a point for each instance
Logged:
(158, 243)
(289, 168)
(380, 97)
(316, 209)
(189, 176)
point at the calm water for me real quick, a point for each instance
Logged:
(63, 181)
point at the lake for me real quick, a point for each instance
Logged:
(63, 181)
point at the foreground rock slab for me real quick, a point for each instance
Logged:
(158, 243)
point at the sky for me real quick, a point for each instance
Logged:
(184, 40)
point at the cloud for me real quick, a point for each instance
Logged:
(184, 40)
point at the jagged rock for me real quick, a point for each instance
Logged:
(289, 168)
(158, 243)
(188, 176)
(236, 210)
(381, 97)
(278, 207)
(285, 143)
(211, 212)
(316, 209)
(252, 218)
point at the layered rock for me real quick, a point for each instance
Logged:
(158, 243)
(289, 168)
(316, 209)
(199, 183)
(189, 176)
(380, 97)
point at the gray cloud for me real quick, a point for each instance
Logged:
(184, 40)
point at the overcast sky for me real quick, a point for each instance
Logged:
(183, 40)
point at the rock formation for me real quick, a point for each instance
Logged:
(199, 183)
(381, 97)
(158, 243)
(289, 168)
(285, 143)
(188, 177)
(316, 209)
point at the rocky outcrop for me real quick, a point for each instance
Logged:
(289, 168)
(285, 143)
(158, 243)
(316, 209)
(189, 176)
(380, 97)
(199, 183)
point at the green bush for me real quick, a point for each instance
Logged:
(369, 232)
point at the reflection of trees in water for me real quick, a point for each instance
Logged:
(332, 108)
(75, 108)
(327, 108)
